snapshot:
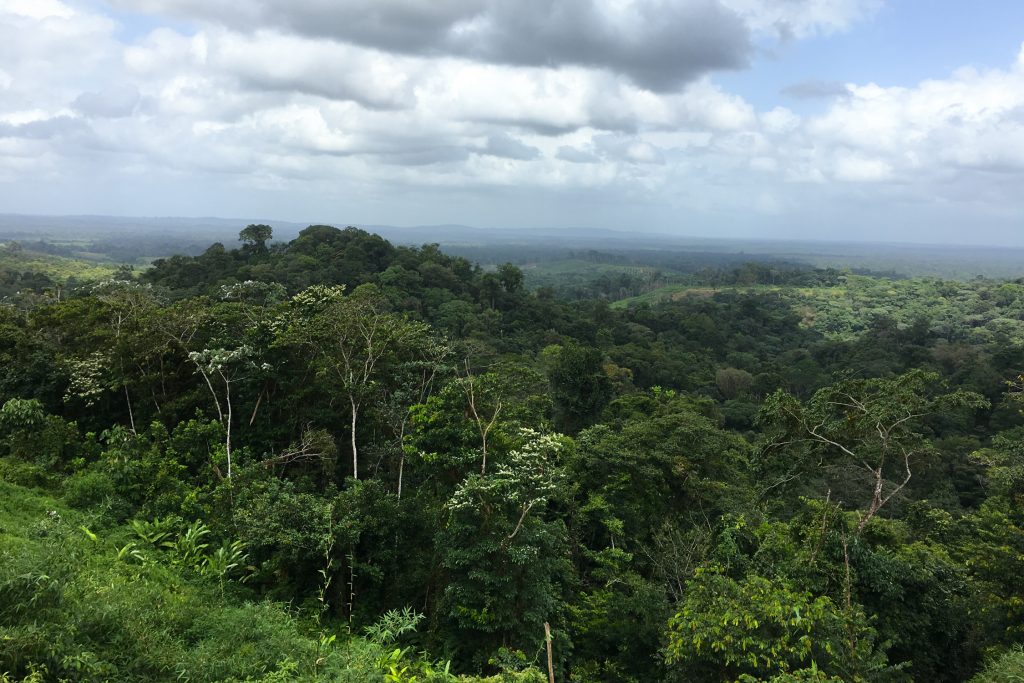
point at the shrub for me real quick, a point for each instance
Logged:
(24, 473)
(89, 488)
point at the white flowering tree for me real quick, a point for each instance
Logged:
(221, 369)
(501, 547)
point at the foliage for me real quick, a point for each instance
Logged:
(872, 427)
(1007, 668)
(333, 458)
(502, 550)
(761, 628)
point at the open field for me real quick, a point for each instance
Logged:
(58, 268)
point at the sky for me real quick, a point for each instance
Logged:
(892, 120)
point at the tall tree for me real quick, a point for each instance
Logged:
(579, 386)
(503, 550)
(256, 236)
(352, 339)
(865, 433)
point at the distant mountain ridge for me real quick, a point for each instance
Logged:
(162, 236)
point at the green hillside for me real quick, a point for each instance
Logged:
(86, 600)
(59, 268)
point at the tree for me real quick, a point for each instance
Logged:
(416, 379)
(511, 277)
(655, 462)
(484, 417)
(27, 432)
(490, 287)
(256, 236)
(504, 552)
(352, 339)
(579, 386)
(229, 366)
(477, 417)
(872, 430)
(131, 307)
(732, 381)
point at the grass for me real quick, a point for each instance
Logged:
(59, 268)
(24, 513)
(75, 607)
(71, 606)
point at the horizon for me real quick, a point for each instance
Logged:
(553, 230)
(778, 120)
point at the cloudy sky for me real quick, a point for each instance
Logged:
(899, 120)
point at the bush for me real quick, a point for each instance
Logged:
(24, 473)
(28, 433)
(88, 489)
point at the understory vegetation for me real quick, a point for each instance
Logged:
(335, 459)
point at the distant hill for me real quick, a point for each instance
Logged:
(140, 239)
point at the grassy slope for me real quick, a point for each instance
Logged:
(59, 268)
(71, 608)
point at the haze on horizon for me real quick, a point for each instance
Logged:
(807, 119)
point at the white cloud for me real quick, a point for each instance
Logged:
(802, 18)
(39, 9)
(270, 61)
(779, 120)
(116, 101)
(972, 118)
(857, 168)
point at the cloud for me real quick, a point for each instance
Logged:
(576, 156)
(43, 129)
(47, 45)
(115, 102)
(270, 61)
(705, 105)
(971, 118)
(630, 150)
(39, 9)
(795, 19)
(815, 89)
(780, 121)
(406, 26)
(857, 168)
(313, 113)
(424, 156)
(502, 145)
(659, 44)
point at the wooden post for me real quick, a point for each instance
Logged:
(551, 663)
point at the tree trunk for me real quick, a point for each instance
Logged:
(401, 466)
(131, 414)
(551, 663)
(355, 452)
(227, 442)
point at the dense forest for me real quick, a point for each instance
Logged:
(336, 459)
